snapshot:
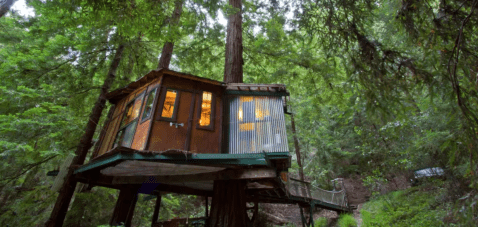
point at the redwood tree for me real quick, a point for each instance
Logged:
(228, 206)
(168, 47)
(5, 6)
(234, 61)
(66, 193)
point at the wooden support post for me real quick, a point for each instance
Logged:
(302, 216)
(156, 210)
(207, 215)
(311, 215)
(228, 206)
(124, 209)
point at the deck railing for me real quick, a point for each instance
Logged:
(305, 189)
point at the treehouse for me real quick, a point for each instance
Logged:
(174, 132)
(170, 124)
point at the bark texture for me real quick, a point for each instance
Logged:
(5, 6)
(228, 206)
(297, 148)
(63, 201)
(233, 72)
(168, 47)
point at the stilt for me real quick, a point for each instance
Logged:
(156, 210)
(306, 222)
(207, 215)
(124, 209)
(228, 206)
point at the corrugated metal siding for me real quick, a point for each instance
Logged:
(256, 125)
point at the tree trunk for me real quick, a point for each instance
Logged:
(5, 6)
(228, 206)
(233, 66)
(297, 148)
(168, 47)
(63, 201)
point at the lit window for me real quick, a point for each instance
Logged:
(149, 105)
(169, 104)
(205, 111)
(206, 108)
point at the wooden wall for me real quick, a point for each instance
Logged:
(156, 134)
(113, 125)
(200, 140)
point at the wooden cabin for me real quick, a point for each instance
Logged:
(167, 110)
(169, 124)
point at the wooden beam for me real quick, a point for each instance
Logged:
(220, 175)
(184, 190)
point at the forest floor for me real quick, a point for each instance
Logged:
(357, 195)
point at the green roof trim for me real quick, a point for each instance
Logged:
(251, 159)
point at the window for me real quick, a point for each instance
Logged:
(256, 124)
(148, 105)
(125, 134)
(169, 103)
(206, 111)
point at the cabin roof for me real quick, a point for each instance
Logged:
(153, 74)
(231, 88)
(256, 89)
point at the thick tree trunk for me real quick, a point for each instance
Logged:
(233, 66)
(228, 206)
(168, 47)
(5, 6)
(63, 201)
(297, 148)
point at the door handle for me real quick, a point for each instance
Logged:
(176, 124)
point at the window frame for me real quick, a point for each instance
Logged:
(213, 112)
(129, 123)
(153, 104)
(173, 118)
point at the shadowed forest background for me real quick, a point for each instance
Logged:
(378, 89)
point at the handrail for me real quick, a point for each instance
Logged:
(304, 189)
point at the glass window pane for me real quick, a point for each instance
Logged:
(119, 138)
(128, 134)
(206, 108)
(128, 114)
(132, 110)
(149, 104)
(137, 106)
(169, 102)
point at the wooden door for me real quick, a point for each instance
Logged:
(172, 129)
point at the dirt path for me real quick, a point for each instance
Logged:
(357, 216)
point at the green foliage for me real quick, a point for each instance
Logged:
(378, 88)
(418, 206)
(346, 220)
(320, 222)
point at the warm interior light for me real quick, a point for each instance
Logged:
(206, 109)
(241, 117)
(246, 127)
(169, 101)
